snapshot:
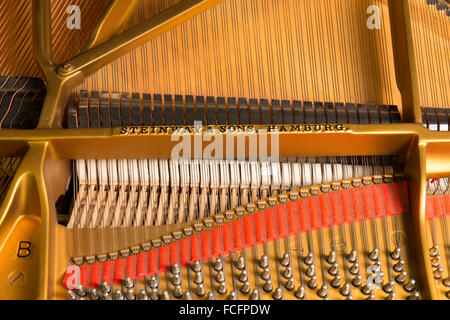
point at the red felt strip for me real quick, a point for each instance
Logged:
(216, 241)
(336, 208)
(119, 270)
(368, 206)
(347, 206)
(108, 271)
(95, 274)
(281, 211)
(206, 245)
(84, 275)
(294, 226)
(270, 224)
(314, 212)
(356, 201)
(325, 210)
(141, 266)
(389, 199)
(163, 257)
(303, 207)
(184, 244)
(400, 195)
(249, 231)
(152, 259)
(378, 201)
(227, 238)
(131, 267)
(259, 226)
(438, 206)
(238, 237)
(195, 248)
(405, 198)
(173, 253)
(447, 204)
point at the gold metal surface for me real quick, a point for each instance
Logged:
(27, 212)
(112, 21)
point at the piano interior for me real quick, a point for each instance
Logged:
(235, 149)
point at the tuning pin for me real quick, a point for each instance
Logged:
(370, 297)
(243, 276)
(333, 270)
(264, 262)
(175, 268)
(210, 296)
(268, 286)
(117, 295)
(220, 277)
(240, 263)
(200, 290)
(153, 282)
(287, 273)
(401, 277)
(72, 295)
(222, 290)
(142, 295)
(104, 287)
(396, 253)
(128, 283)
(331, 257)
(254, 295)
(309, 259)
(300, 293)
(366, 290)
(357, 280)
(336, 282)
(265, 275)
(154, 295)
(352, 256)
(93, 295)
(446, 282)
(436, 261)
(398, 267)
(176, 279)
(277, 294)
(323, 291)
(245, 288)
(218, 266)
(187, 295)
(105, 296)
(374, 254)
(437, 273)
(312, 283)
(434, 250)
(177, 291)
(198, 278)
(130, 294)
(409, 286)
(285, 260)
(232, 296)
(391, 296)
(196, 266)
(414, 296)
(345, 290)
(81, 291)
(165, 295)
(388, 287)
(289, 285)
(311, 272)
(354, 269)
